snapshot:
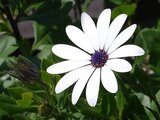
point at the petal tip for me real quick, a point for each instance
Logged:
(124, 16)
(74, 101)
(92, 104)
(54, 48)
(140, 52)
(83, 14)
(114, 90)
(107, 10)
(57, 90)
(49, 70)
(134, 26)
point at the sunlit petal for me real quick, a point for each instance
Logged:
(102, 26)
(65, 66)
(68, 79)
(119, 65)
(70, 52)
(114, 29)
(127, 51)
(80, 84)
(92, 88)
(90, 30)
(79, 38)
(108, 79)
(122, 38)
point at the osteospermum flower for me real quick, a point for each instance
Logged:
(97, 55)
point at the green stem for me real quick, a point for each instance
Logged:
(44, 86)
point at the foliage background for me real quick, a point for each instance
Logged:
(32, 95)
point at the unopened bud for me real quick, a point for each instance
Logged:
(24, 70)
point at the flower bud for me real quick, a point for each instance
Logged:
(24, 70)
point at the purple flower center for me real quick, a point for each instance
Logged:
(99, 58)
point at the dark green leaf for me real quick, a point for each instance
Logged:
(108, 104)
(46, 78)
(7, 99)
(45, 64)
(127, 9)
(16, 92)
(51, 12)
(91, 112)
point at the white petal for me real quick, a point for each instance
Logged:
(69, 79)
(79, 38)
(127, 51)
(102, 26)
(80, 84)
(90, 30)
(70, 52)
(65, 66)
(109, 80)
(122, 38)
(119, 65)
(114, 29)
(92, 88)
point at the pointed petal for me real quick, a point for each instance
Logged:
(127, 51)
(79, 38)
(103, 25)
(122, 38)
(69, 79)
(90, 30)
(108, 79)
(66, 66)
(114, 29)
(70, 52)
(92, 88)
(119, 65)
(80, 84)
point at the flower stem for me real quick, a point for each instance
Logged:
(43, 85)
(10, 18)
(78, 3)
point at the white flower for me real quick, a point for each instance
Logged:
(99, 53)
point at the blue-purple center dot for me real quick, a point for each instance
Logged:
(99, 58)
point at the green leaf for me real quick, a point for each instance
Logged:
(7, 46)
(121, 102)
(86, 4)
(52, 12)
(16, 92)
(155, 114)
(11, 108)
(27, 95)
(25, 47)
(45, 64)
(24, 103)
(3, 112)
(127, 9)
(148, 39)
(118, 2)
(91, 112)
(7, 99)
(46, 78)
(143, 80)
(108, 104)
(40, 35)
(46, 51)
(136, 108)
